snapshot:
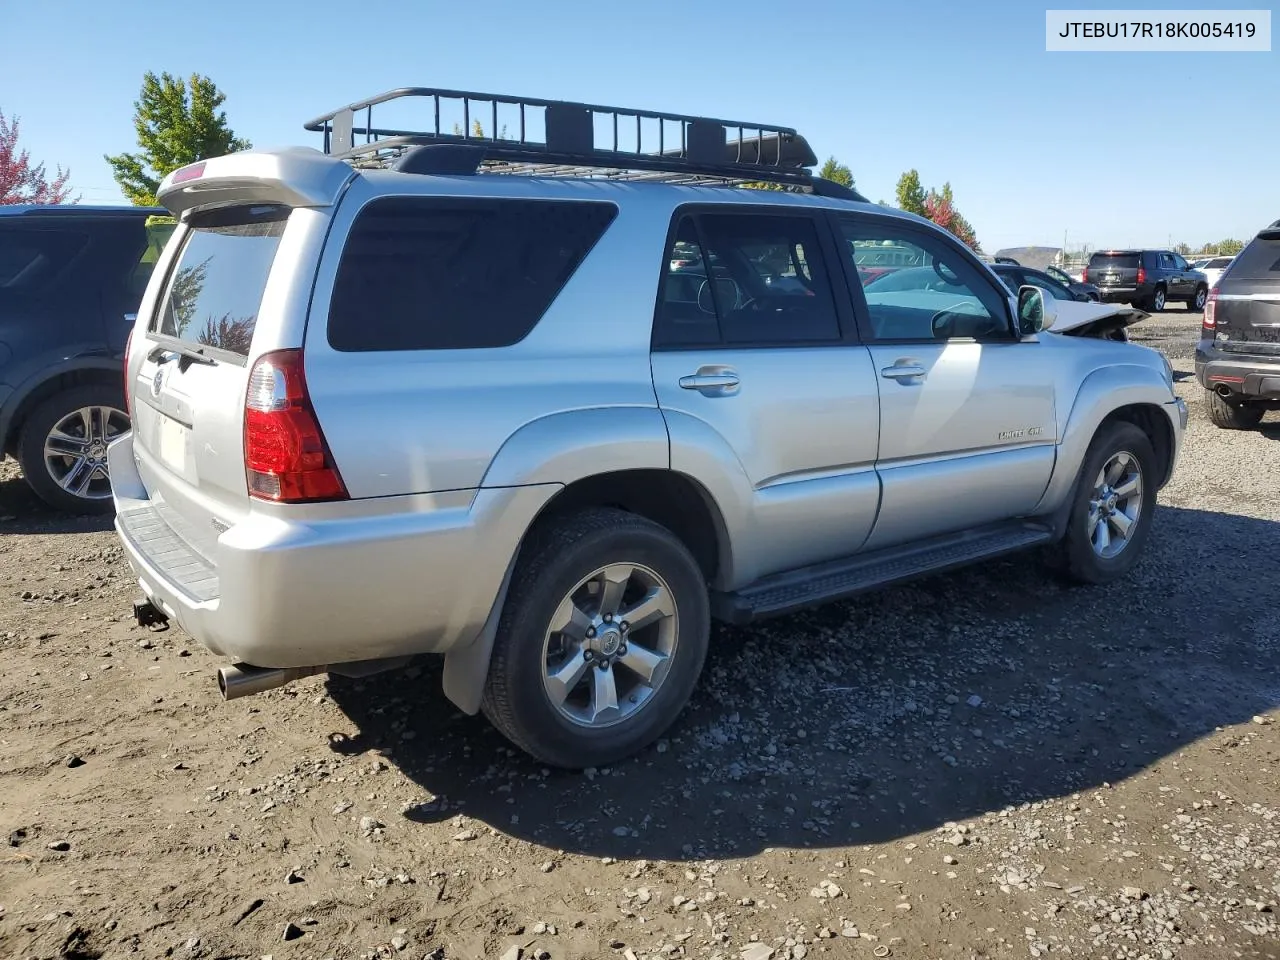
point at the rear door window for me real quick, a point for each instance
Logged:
(449, 273)
(1260, 260)
(216, 287)
(1114, 261)
(31, 258)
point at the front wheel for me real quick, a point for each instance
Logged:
(1114, 503)
(601, 640)
(1231, 414)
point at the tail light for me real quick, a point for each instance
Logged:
(286, 458)
(1210, 311)
(1142, 276)
(128, 345)
(1084, 275)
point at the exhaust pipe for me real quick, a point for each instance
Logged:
(1223, 391)
(242, 680)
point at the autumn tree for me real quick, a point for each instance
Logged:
(177, 122)
(20, 181)
(936, 205)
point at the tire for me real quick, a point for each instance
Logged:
(556, 560)
(1080, 558)
(1231, 415)
(1158, 300)
(1196, 303)
(57, 479)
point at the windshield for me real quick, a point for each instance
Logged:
(216, 288)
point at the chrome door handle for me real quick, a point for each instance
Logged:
(709, 381)
(902, 371)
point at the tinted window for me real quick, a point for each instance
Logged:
(1046, 282)
(1217, 263)
(436, 273)
(1113, 261)
(943, 297)
(29, 257)
(1260, 260)
(217, 284)
(767, 283)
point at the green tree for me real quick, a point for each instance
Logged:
(837, 172)
(177, 123)
(911, 195)
(1229, 247)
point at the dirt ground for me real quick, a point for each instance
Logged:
(985, 764)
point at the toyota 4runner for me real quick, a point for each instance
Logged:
(512, 402)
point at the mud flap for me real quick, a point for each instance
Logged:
(467, 667)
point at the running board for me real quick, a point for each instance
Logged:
(821, 583)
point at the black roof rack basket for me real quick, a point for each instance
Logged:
(688, 149)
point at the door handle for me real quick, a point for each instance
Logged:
(704, 382)
(903, 371)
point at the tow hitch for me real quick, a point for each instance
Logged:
(147, 614)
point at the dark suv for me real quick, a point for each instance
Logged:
(1147, 279)
(1238, 357)
(71, 279)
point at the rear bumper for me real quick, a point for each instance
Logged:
(1247, 376)
(1122, 294)
(419, 575)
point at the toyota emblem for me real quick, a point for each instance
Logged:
(157, 382)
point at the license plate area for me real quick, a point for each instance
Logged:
(173, 442)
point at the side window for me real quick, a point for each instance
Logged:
(936, 294)
(1167, 262)
(746, 279)
(30, 258)
(444, 273)
(1046, 282)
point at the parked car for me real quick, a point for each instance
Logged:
(381, 412)
(1146, 278)
(1077, 314)
(71, 278)
(1238, 356)
(1212, 268)
(1078, 290)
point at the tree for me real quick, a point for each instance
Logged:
(1229, 247)
(911, 195)
(1183, 248)
(837, 172)
(177, 122)
(20, 182)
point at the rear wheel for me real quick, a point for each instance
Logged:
(1197, 302)
(63, 447)
(1114, 502)
(1157, 300)
(1232, 414)
(601, 640)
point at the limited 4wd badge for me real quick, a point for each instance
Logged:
(1019, 434)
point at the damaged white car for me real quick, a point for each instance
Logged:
(1072, 315)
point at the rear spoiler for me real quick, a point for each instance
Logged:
(295, 177)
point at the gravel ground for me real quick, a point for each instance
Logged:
(985, 764)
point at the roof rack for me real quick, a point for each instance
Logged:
(698, 150)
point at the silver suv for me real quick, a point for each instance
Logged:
(511, 401)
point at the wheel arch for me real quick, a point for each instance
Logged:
(51, 381)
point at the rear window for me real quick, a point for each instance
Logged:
(30, 257)
(1260, 260)
(1114, 261)
(216, 288)
(451, 273)
(1218, 263)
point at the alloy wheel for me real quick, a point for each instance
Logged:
(75, 450)
(1116, 504)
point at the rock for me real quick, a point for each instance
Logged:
(957, 839)
(974, 701)
(643, 895)
(621, 831)
(291, 931)
(368, 825)
(904, 906)
(547, 866)
(1133, 893)
(757, 951)
(341, 807)
(17, 836)
(539, 928)
(949, 860)
(293, 876)
(399, 943)
(850, 931)
(464, 836)
(514, 952)
(826, 890)
(799, 952)
(145, 643)
(73, 761)
(60, 845)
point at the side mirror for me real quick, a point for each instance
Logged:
(1032, 315)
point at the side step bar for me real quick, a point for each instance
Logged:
(807, 587)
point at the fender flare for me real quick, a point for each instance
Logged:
(1101, 393)
(85, 363)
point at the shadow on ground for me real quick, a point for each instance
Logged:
(22, 512)
(883, 717)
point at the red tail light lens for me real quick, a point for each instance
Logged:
(286, 458)
(1210, 311)
(128, 345)
(1084, 275)
(1142, 275)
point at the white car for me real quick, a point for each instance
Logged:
(1212, 268)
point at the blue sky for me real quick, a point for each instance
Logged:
(1110, 148)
